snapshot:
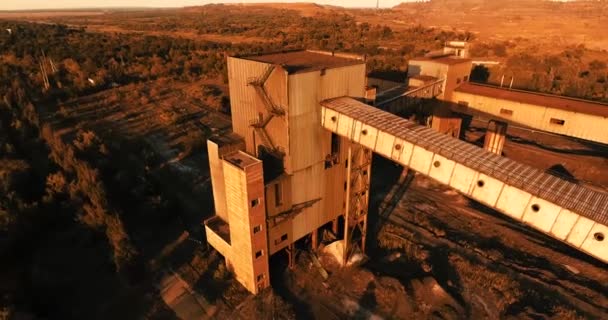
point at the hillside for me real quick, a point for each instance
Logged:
(559, 23)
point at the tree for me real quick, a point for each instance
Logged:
(597, 65)
(480, 74)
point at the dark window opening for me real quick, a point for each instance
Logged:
(261, 277)
(557, 121)
(535, 207)
(278, 194)
(334, 157)
(272, 163)
(598, 236)
(282, 239)
(481, 183)
(259, 254)
(257, 229)
(335, 143)
(255, 203)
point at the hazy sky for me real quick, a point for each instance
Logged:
(52, 4)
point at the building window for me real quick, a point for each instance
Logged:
(260, 277)
(334, 156)
(278, 194)
(506, 112)
(255, 203)
(335, 143)
(257, 229)
(466, 78)
(282, 239)
(259, 254)
(557, 121)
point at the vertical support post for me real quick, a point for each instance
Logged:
(364, 233)
(346, 213)
(291, 254)
(315, 239)
(357, 196)
(495, 136)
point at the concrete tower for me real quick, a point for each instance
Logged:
(289, 177)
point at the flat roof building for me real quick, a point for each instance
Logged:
(576, 118)
(452, 69)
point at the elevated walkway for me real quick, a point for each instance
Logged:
(564, 210)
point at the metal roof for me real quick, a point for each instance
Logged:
(446, 60)
(305, 61)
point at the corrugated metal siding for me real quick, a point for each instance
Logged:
(579, 125)
(306, 90)
(310, 144)
(271, 206)
(245, 105)
(277, 128)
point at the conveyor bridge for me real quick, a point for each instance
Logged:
(564, 210)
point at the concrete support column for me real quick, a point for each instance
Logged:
(496, 135)
(445, 121)
(291, 255)
(364, 234)
(370, 95)
(228, 264)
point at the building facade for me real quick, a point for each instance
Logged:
(289, 177)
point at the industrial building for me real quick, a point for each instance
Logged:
(298, 185)
(576, 118)
(300, 159)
